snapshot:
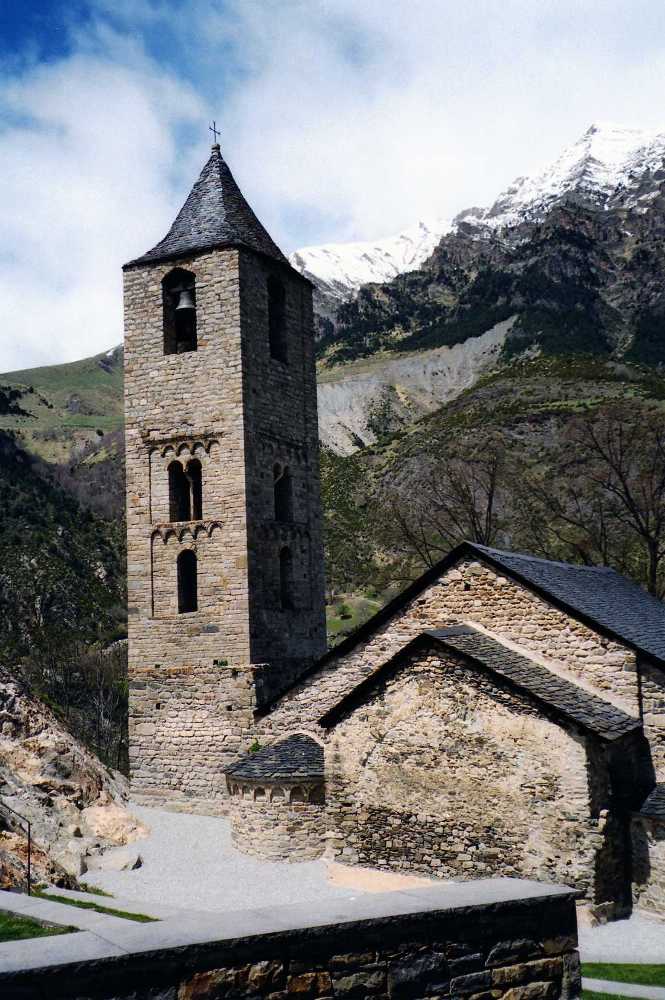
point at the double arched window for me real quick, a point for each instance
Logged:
(179, 309)
(185, 491)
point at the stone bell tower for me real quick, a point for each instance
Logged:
(224, 550)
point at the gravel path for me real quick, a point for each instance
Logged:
(639, 939)
(623, 989)
(188, 862)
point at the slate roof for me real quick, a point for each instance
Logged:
(564, 697)
(586, 709)
(215, 214)
(298, 757)
(654, 805)
(601, 595)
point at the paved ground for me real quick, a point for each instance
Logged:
(624, 989)
(639, 939)
(189, 863)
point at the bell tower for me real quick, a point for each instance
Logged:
(224, 548)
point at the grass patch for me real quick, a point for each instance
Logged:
(14, 928)
(94, 889)
(354, 611)
(644, 975)
(84, 904)
(588, 995)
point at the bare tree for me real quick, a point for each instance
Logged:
(603, 499)
(459, 499)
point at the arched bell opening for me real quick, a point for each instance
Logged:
(179, 309)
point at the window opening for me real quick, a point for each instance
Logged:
(286, 579)
(179, 305)
(283, 494)
(196, 485)
(179, 493)
(187, 582)
(276, 318)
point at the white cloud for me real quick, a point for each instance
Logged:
(341, 119)
(88, 164)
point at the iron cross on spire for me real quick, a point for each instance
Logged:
(213, 128)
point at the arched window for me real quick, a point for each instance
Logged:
(276, 319)
(179, 306)
(179, 494)
(282, 485)
(286, 579)
(187, 585)
(195, 483)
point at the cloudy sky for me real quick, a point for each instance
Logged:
(341, 119)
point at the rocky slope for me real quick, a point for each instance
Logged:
(581, 267)
(75, 804)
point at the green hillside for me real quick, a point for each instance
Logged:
(60, 408)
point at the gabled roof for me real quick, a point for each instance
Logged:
(214, 215)
(296, 758)
(562, 697)
(595, 595)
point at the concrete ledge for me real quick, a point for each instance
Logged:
(116, 954)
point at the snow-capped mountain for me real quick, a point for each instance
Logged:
(609, 165)
(339, 269)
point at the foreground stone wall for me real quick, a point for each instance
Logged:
(472, 592)
(463, 943)
(278, 822)
(446, 771)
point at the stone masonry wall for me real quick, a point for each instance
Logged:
(652, 680)
(281, 427)
(192, 675)
(279, 823)
(648, 836)
(521, 949)
(471, 592)
(178, 404)
(446, 771)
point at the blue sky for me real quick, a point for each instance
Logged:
(342, 119)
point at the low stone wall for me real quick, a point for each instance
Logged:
(278, 823)
(648, 835)
(504, 940)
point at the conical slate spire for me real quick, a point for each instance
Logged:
(215, 214)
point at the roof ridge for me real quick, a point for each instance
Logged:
(528, 557)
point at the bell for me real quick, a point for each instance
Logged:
(185, 301)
